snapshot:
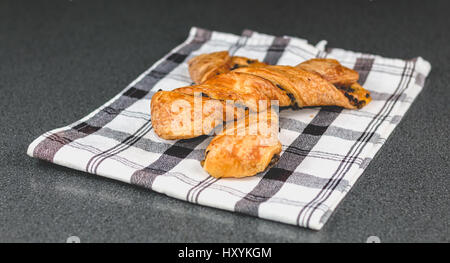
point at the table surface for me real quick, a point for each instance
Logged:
(61, 60)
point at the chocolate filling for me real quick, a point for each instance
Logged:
(293, 101)
(250, 61)
(235, 66)
(280, 87)
(354, 101)
(347, 89)
(291, 97)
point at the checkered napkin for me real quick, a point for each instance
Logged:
(325, 150)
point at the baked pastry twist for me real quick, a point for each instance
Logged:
(230, 89)
(245, 148)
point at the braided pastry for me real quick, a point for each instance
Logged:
(234, 89)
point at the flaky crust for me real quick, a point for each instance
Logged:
(237, 153)
(346, 92)
(242, 62)
(244, 89)
(173, 115)
(331, 70)
(343, 78)
(205, 66)
(311, 89)
(224, 82)
(247, 86)
(233, 87)
(305, 88)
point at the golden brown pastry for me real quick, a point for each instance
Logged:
(206, 66)
(241, 62)
(173, 115)
(247, 86)
(306, 88)
(244, 89)
(343, 91)
(244, 150)
(176, 120)
(331, 70)
(343, 78)
(237, 85)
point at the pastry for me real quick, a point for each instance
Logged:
(309, 89)
(253, 86)
(206, 66)
(244, 89)
(331, 70)
(344, 90)
(238, 91)
(175, 117)
(244, 149)
(342, 77)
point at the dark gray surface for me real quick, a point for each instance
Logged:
(61, 60)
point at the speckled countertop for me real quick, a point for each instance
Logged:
(60, 60)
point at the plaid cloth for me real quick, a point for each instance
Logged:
(325, 150)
